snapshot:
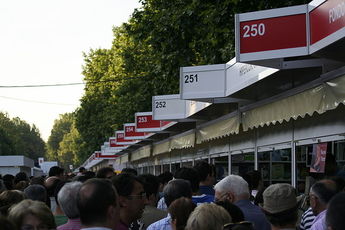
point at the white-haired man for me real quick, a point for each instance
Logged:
(67, 198)
(235, 189)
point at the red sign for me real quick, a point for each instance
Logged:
(100, 155)
(132, 134)
(145, 123)
(273, 33)
(120, 138)
(326, 19)
(112, 142)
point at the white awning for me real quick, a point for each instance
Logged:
(319, 99)
(141, 153)
(124, 159)
(184, 140)
(218, 129)
(161, 148)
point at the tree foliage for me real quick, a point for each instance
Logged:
(146, 55)
(61, 127)
(17, 137)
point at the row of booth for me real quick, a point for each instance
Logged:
(277, 107)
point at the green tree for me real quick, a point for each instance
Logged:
(17, 137)
(69, 147)
(61, 127)
(146, 55)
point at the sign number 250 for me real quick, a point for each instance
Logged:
(254, 30)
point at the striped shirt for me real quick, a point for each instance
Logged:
(307, 219)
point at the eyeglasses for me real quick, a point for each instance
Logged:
(230, 226)
(139, 197)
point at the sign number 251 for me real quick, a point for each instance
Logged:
(254, 30)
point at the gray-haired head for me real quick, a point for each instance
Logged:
(36, 192)
(233, 183)
(67, 198)
(175, 189)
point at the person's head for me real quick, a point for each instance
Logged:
(320, 194)
(37, 180)
(335, 213)
(132, 196)
(175, 189)
(179, 210)
(207, 173)
(280, 205)
(9, 198)
(56, 171)
(2, 186)
(233, 210)
(21, 185)
(8, 181)
(97, 202)
(21, 176)
(231, 188)
(164, 179)
(82, 170)
(151, 185)
(189, 174)
(208, 216)
(67, 198)
(253, 179)
(130, 171)
(36, 192)
(34, 214)
(106, 172)
(51, 184)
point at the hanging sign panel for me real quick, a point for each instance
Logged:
(171, 107)
(327, 23)
(112, 143)
(197, 82)
(241, 75)
(271, 34)
(132, 134)
(145, 123)
(120, 138)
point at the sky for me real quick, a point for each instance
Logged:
(42, 42)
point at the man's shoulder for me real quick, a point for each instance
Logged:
(163, 224)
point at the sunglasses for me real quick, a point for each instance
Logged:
(247, 224)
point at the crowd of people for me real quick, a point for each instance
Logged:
(190, 199)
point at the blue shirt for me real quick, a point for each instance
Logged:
(208, 190)
(253, 214)
(202, 199)
(163, 224)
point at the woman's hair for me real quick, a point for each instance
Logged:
(180, 210)
(208, 217)
(38, 209)
(9, 198)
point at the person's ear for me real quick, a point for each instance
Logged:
(231, 197)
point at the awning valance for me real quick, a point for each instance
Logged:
(141, 153)
(185, 140)
(319, 99)
(218, 129)
(161, 148)
(124, 159)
